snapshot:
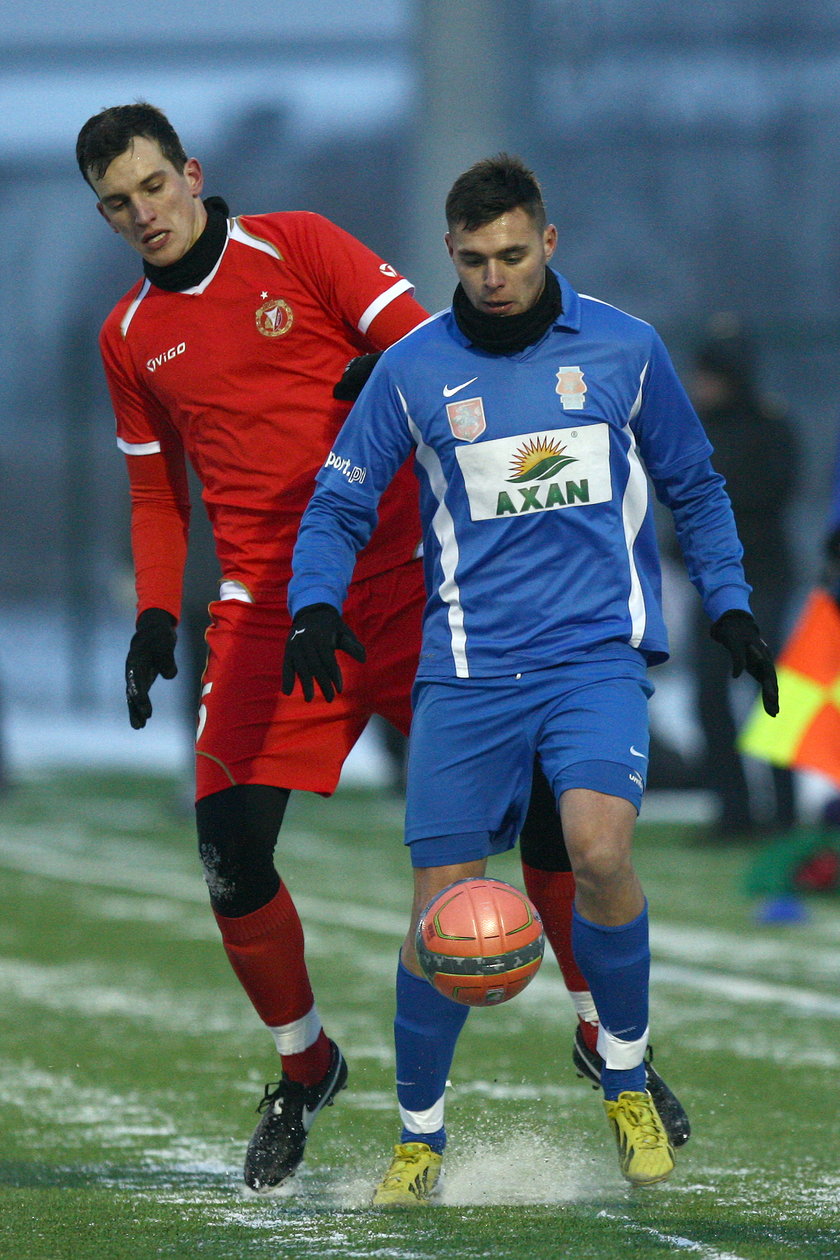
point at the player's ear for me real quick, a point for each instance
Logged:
(549, 240)
(106, 217)
(194, 176)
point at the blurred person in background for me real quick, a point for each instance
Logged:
(757, 451)
(830, 579)
(226, 353)
(831, 541)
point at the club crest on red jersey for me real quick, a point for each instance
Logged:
(274, 318)
(466, 418)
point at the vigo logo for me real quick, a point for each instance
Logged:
(171, 353)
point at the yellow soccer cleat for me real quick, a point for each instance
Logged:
(645, 1155)
(412, 1178)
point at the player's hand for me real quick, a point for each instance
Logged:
(355, 377)
(317, 633)
(151, 652)
(740, 635)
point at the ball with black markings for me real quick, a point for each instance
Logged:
(480, 942)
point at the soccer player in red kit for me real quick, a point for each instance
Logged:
(226, 354)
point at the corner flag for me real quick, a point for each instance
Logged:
(806, 733)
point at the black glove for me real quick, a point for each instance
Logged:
(740, 635)
(317, 633)
(355, 377)
(151, 652)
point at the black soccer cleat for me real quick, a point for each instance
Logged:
(588, 1064)
(288, 1111)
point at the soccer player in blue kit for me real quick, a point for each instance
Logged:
(538, 418)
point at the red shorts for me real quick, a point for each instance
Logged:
(249, 732)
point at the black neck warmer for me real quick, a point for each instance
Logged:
(200, 258)
(508, 334)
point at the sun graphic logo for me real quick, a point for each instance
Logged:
(538, 460)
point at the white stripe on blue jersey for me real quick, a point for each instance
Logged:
(534, 474)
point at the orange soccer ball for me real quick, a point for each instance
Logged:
(480, 942)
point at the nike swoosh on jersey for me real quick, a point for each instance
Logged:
(449, 390)
(634, 753)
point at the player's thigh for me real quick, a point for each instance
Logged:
(469, 769)
(387, 613)
(248, 731)
(595, 732)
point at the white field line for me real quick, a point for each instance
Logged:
(749, 950)
(126, 866)
(677, 950)
(745, 991)
(118, 869)
(699, 1249)
(84, 989)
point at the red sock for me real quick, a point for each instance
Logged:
(265, 949)
(553, 893)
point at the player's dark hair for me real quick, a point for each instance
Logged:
(109, 133)
(491, 188)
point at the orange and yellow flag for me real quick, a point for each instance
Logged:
(806, 733)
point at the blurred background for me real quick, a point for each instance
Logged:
(688, 156)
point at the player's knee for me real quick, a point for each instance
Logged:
(236, 884)
(237, 832)
(603, 863)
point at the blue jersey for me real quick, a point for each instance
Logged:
(534, 472)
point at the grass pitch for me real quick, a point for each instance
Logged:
(131, 1063)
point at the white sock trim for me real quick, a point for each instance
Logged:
(298, 1036)
(621, 1054)
(584, 1005)
(420, 1122)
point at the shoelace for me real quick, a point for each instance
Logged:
(404, 1161)
(272, 1097)
(642, 1118)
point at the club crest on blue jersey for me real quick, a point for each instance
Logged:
(571, 387)
(466, 418)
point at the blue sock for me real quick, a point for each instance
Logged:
(426, 1028)
(616, 964)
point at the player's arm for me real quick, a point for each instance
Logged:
(397, 317)
(337, 524)
(160, 510)
(677, 454)
(160, 517)
(373, 300)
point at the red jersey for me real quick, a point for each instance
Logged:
(237, 373)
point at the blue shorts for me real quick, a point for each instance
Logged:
(473, 742)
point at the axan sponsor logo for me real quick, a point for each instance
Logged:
(159, 359)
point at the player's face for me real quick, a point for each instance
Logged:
(501, 265)
(157, 209)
